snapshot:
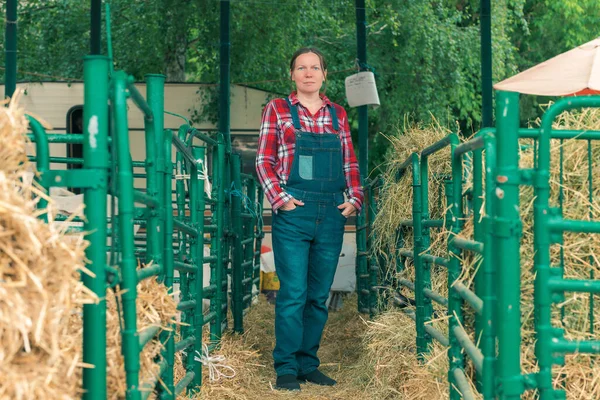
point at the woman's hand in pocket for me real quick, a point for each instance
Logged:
(291, 204)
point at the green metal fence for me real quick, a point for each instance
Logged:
(490, 342)
(176, 224)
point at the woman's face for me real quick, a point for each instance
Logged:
(308, 74)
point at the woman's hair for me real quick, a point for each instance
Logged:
(305, 50)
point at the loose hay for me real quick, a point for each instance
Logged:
(155, 307)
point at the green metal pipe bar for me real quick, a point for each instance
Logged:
(454, 216)
(238, 271)
(468, 245)
(217, 247)
(438, 298)
(10, 49)
(592, 260)
(486, 276)
(470, 349)
(95, 154)
(433, 223)
(407, 253)
(485, 21)
(154, 128)
(139, 100)
(182, 148)
(184, 382)
(439, 145)
(185, 228)
(185, 267)
(186, 305)
(559, 134)
(148, 388)
(143, 198)
(248, 241)
(557, 284)
(197, 213)
(147, 335)
(184, 344)
(434, 333)
(42, 150)
(583, 346)
(224, 76)
(130, 342)
(60, 160)
(407, 223)
(149, 272)
(566, 225)
(506, 231)
(209, 318)
(462, 384)
(66, 138)
(96, 27)
(139, 164)
(435, 260)
(205, 138)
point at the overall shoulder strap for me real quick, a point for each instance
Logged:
(294, 112)
(334, 119)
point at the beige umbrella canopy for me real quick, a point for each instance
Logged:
(575, 72)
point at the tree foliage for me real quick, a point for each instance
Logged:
(425, 53)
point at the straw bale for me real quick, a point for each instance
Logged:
(41, 295)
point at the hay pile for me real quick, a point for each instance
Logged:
(395, 198)
(40, 290)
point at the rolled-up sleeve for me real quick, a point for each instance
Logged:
(351, 171)
(266, 158)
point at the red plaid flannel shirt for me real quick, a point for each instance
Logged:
(276, 144)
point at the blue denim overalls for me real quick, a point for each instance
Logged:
(307, 242)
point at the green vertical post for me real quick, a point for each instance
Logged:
(216, 303)
(591, 259)
(507, 234)
(478, 234)
(373, 268)
(96, 27)
(455, 302)
(260, 234)
(153, 246)
(486, 284)
(197, 213)
(362, 284)
(95, 158)
(129, 334)
(486, 64)
(237, 271)
(249, 229)
(10, 49)
(167, 388)
(425, 239)
(422, 339)
(155, 93)
(224, 67)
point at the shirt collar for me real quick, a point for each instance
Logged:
(294, 99)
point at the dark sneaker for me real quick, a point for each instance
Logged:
(287, 382)
(318, 378)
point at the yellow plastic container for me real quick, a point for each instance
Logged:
(269, 281)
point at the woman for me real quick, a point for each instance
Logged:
(305, 163)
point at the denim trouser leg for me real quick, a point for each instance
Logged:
(291, 245)
(306, 245)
